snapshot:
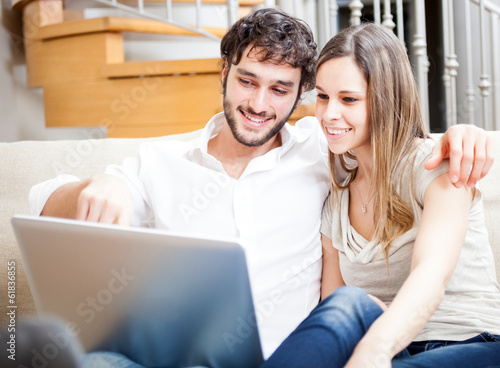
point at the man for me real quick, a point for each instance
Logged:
(249, 175)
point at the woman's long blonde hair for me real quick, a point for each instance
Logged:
(394, 118)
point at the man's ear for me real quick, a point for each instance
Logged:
(224, 72)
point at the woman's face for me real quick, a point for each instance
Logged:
(341, 106)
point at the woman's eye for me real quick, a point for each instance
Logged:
(322, 96)
(350, 99)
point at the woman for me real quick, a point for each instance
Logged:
(404, 234)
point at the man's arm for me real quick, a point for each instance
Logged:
(471, 153)
(101, 198)
(331, 278)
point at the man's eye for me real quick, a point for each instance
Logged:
(280, 91)
(245, 82)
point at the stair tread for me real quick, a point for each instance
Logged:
(116, 24)
(161, 67)
(222, 2)
(19, 4)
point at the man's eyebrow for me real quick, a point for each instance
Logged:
(243, 71)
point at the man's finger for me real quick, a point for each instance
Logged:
(95, 211)
(479, 160)
(436, 157)
(82, 209)
(490, 156)
(456, 152)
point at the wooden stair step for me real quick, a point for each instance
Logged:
(19, 4)
(221, 2)
(172, 104)
(161, 67)
(115, 24)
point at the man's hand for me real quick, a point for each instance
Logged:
(105, 199)
(471, 154)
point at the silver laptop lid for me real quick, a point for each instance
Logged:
(161, 298)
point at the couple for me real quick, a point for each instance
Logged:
(276, 183)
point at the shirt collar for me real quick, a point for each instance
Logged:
(289, 134)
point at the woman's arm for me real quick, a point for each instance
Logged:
(436, 252)
(331, 277)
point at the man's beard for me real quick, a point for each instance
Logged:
(239, 136)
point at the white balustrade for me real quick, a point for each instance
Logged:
(469, 90)
(355, 6)
(495, 60)
(388, 15)
(322, 17)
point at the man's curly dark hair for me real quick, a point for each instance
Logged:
(278, 37)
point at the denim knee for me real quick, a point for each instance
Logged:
(348, 296)
(349, 304)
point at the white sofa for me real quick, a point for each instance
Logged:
(24, 164)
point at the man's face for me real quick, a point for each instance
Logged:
(259, 97)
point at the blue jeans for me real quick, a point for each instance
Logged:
(329, 335)
(480, 351)
(326, 338)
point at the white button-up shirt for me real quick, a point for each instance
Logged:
(273, 209)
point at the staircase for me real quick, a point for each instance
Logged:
(87, 81)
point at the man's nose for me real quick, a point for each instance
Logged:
(259, 102)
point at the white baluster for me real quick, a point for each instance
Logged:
(169, 11)
(298, 8)
(448, 63)
(141, 6)
(270, 3)
(420, 47)
(401, 26)
(355, 6)
(232, 11)
(198, 13)
(388, 15)
(484, 84)
(495, 62)
(324, 27)
(311, 16)
(452, 63)
(469, 90)
(376, 11)
(334, 24)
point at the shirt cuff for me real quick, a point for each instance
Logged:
(41, 192)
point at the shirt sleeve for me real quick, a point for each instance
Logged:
(326, 217)
(130, 171)
(40, 193)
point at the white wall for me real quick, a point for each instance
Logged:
(8, 118)
(21, 108)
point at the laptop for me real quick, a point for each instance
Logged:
(161, 298)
